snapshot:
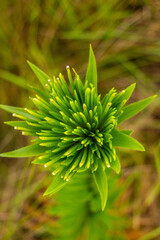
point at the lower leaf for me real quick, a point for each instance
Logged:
(29, 151)
(102, 185)
(57, 184)
(122, 140)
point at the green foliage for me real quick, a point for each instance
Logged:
(56, 185)
(101, 182)
(134, 108)
(75, 130)
(91, 75)
(43, 78)
(78, 209)
(28, 151)
(123, 140)
(19, 112)
(52, 34)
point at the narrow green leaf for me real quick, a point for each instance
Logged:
(42, 94)
(29, 151)
(127, 132)
(124, 95)
(135, 108)
(115, 165)
(101, 182)
(91, 75)
(18, 111)
(40, 161)
(43, 77)
(17, 124)
(122, 140)
(70, 78)
(128, 92)
(57, 184)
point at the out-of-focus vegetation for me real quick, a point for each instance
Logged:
(56, 33)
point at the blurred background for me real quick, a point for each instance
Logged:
(125, 36)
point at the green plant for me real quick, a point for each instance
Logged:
(78, 211)
(74, 130)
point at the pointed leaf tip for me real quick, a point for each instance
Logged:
(90, 48)
(134, 108)
(91, 75)
(115, 165)
(122, 140)
(43, 77)
(127, 93)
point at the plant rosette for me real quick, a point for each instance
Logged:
(74, 129)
